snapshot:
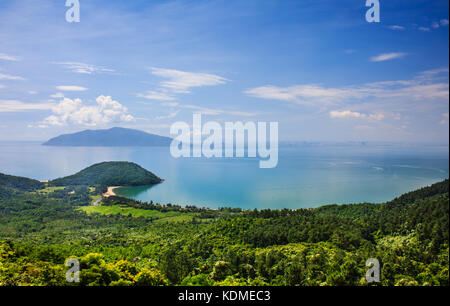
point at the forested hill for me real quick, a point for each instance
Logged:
(19, 183)
(114, 137)
(110, 174)
(399, 203)
(422, 193)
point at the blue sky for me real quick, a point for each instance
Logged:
(316, 67)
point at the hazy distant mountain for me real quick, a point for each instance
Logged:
(114, 137)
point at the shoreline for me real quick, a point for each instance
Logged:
(110, 192)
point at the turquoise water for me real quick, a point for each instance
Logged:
(306, 176)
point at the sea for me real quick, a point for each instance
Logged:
(307, 175)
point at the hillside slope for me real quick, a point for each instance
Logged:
(19, 183)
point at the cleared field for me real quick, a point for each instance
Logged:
(95, 198)
(48, 190)
(171, 216)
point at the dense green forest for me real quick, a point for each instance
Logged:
(126, 242)
(9, 182)
(110, 174)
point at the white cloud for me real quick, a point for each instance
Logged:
(387, 56)
(7, 106)
(435, 25)
(302, 94)
(216, 111)
(377, 117)
(74, 111)
(32, 92)
(10, 77)
(396, 27)
(429, 74)
(345, 114)
(171, 104)
(445, 120)
(424, 29)
(156, 95)
(393, 99)
(350, 114)
(7, 57)
(84, 68)
(181, 81)
(57, 95)
(169, 116)
(444, 22)
(203, 110)
(70, 88)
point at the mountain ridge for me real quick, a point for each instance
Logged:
(113, 137)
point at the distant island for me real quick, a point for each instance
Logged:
(109, 174)
(114, 137)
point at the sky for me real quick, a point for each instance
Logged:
(318, 68)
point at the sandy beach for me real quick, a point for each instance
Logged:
(110, 191)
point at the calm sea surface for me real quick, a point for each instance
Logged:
(306, 176)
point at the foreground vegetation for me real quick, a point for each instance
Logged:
(125, 242)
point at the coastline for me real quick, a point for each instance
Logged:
(110, 192)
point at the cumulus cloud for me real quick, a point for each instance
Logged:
(444, 22)
(105, 111)
(71, 88)
(179, 82)
(7, 57)
(84, 68)
(387, 56)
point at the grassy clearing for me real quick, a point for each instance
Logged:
(48, 190)
(171, 216)
(95, 198)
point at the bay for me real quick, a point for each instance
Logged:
(306, 175)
